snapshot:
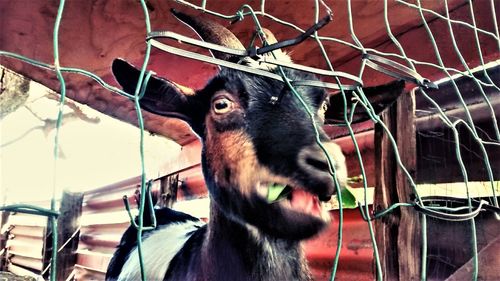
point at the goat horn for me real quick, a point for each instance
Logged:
(278, 53)
(211, 32)
(271, 39)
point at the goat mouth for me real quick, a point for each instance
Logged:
(296, 199)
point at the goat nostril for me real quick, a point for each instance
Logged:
(318, 164)
(325, 198)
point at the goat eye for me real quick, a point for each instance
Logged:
(324, 106)
(222, 105)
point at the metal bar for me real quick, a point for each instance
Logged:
(204, 58)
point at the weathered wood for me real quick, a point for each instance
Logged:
(368, 24)
(418, 46)
(398, 234)
(14, 91)
(84, 273)
(68, 229)
(93, 33)
(409, 232)
(168, 191)
(385, 184)
(12, 277)
(47, 247)
(187, 157)
(449, 246)
(3, 241)
(436, 144)
(489, 264)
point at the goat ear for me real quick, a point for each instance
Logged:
(161, 97)
(380, 97)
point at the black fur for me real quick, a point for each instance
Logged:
(247, 238)
(128, 242)
(235, 254)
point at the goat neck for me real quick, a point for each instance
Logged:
(235, 251)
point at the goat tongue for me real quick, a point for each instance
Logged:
(306, 202)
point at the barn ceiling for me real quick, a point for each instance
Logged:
(93, 33)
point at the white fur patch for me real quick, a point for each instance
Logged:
(158, 250)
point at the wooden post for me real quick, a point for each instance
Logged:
(68, 232)
(168, 190)
(398, 234)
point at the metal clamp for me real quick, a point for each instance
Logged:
(432, 212)
(397, 70)
(290, 42)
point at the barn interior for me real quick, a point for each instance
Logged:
(465, 43)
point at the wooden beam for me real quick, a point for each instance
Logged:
(85, 41)
(398, 234)
(188, 157)
(368, 24)
(418, 46)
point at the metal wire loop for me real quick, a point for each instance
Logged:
(397, 70)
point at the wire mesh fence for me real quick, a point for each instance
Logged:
(444, 60)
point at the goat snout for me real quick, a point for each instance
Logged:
(314, 163)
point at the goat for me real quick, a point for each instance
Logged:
(249, 144)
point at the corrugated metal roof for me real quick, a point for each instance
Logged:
(103, 221)
(25, 244)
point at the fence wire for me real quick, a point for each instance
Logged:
(451, 73)
(141, 87)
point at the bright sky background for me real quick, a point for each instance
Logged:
(92, 155)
